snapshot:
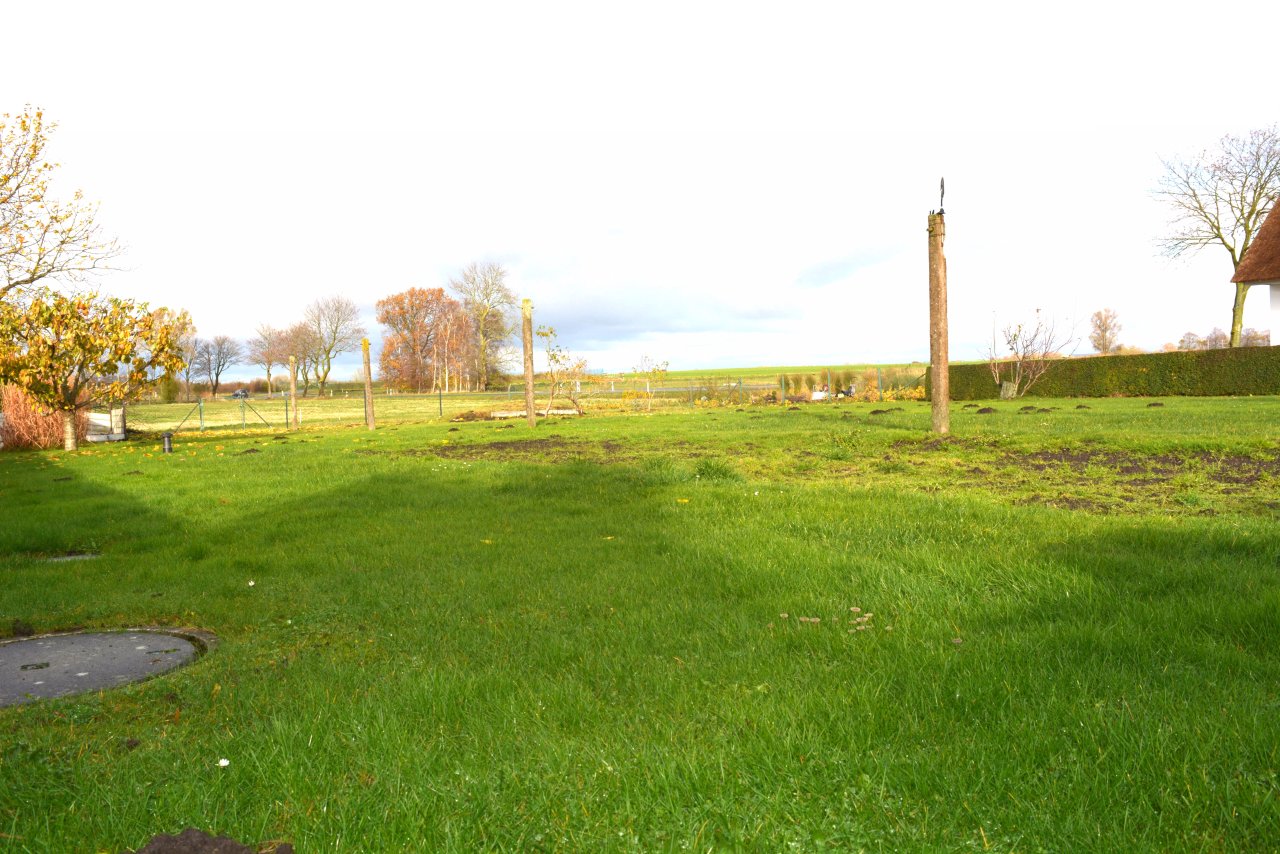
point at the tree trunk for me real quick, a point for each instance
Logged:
(1237, 313)
(69, 440)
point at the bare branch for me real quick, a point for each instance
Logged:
(41, 237)
(1032, 350)
(491, 306)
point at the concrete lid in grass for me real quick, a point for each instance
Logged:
(59, 665)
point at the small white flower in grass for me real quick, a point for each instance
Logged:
(252, 582)
(223, 763)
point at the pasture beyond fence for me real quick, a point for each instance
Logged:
(343, 405)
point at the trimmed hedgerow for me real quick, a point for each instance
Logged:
(1237, 371)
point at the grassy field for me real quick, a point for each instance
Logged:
(813, 628)
(771, 374)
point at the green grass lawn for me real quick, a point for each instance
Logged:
(727, 629)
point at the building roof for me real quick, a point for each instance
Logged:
(1261, 261)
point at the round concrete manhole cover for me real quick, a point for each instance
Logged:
(40, 668)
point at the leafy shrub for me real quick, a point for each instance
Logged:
(888, 384)
(1237, 371)
(909, 393)
(169, 389)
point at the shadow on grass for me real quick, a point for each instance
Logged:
(62, 535)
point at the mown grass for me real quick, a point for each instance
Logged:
(480, 637)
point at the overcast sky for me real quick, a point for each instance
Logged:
(713, 184)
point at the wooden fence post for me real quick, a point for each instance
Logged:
(293, 390)
(938, 359)
(526, 335)
(368, 386)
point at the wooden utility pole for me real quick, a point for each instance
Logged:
(940, 379)
(526, 334)
(293, 389)
(368, 386)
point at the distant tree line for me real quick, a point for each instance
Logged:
(1218, 339)
(433, 339)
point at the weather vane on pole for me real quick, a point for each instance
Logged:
(939, 361)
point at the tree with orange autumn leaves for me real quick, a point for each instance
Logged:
(428, 341)
(68, 353)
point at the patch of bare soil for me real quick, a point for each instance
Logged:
(1064, 502)
(551, 449)
(1235, 468)
(937, 443)
(193, 841)
(1079, 460)
(1121, 479)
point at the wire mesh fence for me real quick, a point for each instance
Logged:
(340, 404)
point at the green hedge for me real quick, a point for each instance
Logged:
(1242, 370)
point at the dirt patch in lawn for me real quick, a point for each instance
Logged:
(1101, 480)
(551, 449)
(1228, 468)
(1064, 502)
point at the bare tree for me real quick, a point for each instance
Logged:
(1032, 351)
(1255, 338)
(1106, 331)
(302, 343)
(40, 236)
(189, 345)
(565, 371)
(456, 347)
(267, 349)
(1216, 340)
(653, 373)
(1191, 341)
(215, 356)
(491, 306)
(1221, 198)
(335, 323)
